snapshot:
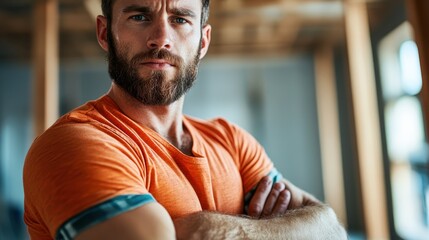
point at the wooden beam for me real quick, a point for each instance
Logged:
(366, 114)
(45, 50)
(329, 131)
(418, 12)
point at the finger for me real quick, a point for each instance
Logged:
(282, 202)
(272, 199)
(257, 203)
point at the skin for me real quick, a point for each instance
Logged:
(269, 200)
(168, 25)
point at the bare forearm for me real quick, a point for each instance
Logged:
(311, 222)
(305, 223)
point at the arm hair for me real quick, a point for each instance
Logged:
(310, 222)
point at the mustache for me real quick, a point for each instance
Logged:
(158, 54)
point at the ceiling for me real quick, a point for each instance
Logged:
(274, 26)
(240, 27)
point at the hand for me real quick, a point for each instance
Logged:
(268, 199)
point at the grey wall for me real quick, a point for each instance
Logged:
(15, 127)
(81, 81)
(292, 135)
(15, 139)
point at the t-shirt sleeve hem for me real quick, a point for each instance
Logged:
(101, 212)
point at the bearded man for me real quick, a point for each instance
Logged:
(130, 165)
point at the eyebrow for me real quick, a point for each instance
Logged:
(136, 8)
(176, 11)
(183, 12)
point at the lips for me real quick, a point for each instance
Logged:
(157, 59)
(157, 62)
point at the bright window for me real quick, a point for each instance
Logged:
(407, 147)
(411, 76)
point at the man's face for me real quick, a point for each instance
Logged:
(154, 48)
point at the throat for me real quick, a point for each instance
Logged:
(184, 143)
(185, 146)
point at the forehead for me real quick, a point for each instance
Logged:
(157, 5)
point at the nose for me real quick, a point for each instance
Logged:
(160, 35)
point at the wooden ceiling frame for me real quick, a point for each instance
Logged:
(269, 27)
(77, 19)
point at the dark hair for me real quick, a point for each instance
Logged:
(106, 7)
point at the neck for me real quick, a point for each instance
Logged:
(165, 120)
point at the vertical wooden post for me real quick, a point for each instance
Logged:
(418, 12)
(45, 88)
(329, 131)
(367, 120)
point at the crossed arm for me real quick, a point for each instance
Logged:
(310, 222)
(279, 211)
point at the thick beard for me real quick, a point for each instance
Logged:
(155, 89)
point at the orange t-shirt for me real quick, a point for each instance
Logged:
(96, 155)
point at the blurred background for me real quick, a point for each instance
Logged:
(335, 90)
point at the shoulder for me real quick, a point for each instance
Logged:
(80, 144)
(69, 136)
(84, 129)
(82, 147)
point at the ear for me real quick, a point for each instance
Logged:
(205, 40)
(102, 32)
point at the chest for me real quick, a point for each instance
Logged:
(184, 184)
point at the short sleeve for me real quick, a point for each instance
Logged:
(81, 169)
(252, 160)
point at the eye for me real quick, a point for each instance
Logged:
(139, 17)
(180, 20)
